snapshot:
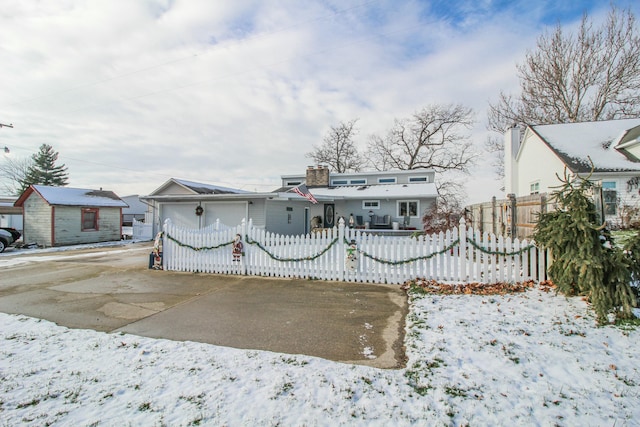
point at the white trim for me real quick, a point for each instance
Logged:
(387, 180)
(417, 202)
(418, 178)
(364, 202)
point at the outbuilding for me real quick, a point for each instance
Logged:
(58, 216)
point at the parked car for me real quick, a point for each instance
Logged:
(8, 236)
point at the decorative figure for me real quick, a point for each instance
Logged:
(351, 263)
(237, 249)
(157, 252)
(315, 222)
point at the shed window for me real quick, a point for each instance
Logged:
(391, 180)
(89, 219)
(371, 204)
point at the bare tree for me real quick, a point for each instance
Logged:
(338, 150)
(590, 75)
(14, 173)
(431, 138)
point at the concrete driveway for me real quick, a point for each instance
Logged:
(111, 290)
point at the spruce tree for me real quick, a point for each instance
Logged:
(585, 260)
(44, 171)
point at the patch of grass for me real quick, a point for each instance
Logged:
(33, 402)
(454, 391)
(146, 406)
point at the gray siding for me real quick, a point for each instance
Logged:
(277, 217)
(257, 212)
(68, 226)
(37, 221)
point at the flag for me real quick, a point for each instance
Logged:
(303, 191)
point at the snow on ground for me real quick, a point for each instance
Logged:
(521, 359)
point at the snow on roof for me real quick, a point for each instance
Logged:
(379, 191)
(576, 142)
(79, 196)
(201, 188)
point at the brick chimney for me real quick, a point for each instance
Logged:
(317, 176)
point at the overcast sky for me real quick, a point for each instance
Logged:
(132, 93)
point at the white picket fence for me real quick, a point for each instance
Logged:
(459, 255)
(141, 230)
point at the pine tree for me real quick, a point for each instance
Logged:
(44, 171)
(585, 259)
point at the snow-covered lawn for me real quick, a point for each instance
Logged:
(521, 359)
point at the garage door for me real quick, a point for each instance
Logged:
(230, 214)
(183, 214)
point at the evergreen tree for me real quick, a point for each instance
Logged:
(585, 260)
(44, 171)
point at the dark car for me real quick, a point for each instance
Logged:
(8, 236)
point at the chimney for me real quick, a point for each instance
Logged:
(317, 176)
(511, 147)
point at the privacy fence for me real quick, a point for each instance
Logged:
(460, 255)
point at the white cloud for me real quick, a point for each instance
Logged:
(132, 93)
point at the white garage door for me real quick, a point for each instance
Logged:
(183, 214)
(230, 214)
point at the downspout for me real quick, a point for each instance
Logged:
(53, 225)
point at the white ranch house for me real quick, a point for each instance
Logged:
(386, 200)
(534, 161)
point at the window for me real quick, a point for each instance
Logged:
(408, 208)
(339, 182)
(371, 204)
(392, 180)
(418, 179)
(89, 219)
(609, 197)
(534, 188)
(293, 183)
(358, 181)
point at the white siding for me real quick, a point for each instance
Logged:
(37, 221)
(536, 162)
(68, 226)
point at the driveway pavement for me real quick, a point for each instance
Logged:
(111, 290)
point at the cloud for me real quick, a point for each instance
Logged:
(235, 93)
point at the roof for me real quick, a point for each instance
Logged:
(197, 188)
(377, 191)
(67, 196)
(575, 143)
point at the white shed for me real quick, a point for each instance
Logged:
(57, 216)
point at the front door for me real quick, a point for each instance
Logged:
(329, 215)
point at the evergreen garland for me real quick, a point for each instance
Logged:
(585, 260)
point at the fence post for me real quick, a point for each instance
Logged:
(462, 257)
(243, 263)
(341, 255)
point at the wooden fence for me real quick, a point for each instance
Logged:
(460, 255)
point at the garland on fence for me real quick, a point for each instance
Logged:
(203, 248)
(501, 253)
(334, 241)
(406, 261)
(277, 258)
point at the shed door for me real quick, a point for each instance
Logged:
(329, 215)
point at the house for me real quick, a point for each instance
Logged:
(10, 216)
(393, 199)
(135, 210)
(56, 216)
(611, 149)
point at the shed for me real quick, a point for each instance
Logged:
(57, 216)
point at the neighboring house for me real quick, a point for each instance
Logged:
(10, 216)
(381, 199)
(57, 216)
(135, 210)
(611, 149)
